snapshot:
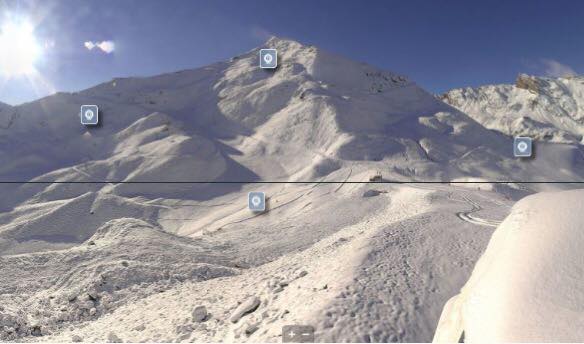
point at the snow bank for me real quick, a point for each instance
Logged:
(527, 286)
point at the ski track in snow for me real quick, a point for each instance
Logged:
(469, 217)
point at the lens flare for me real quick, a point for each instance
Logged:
(19, 49)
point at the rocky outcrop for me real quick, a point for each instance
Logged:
(529, 83)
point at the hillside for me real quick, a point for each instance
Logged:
(299, 123)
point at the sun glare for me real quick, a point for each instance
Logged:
(19, 49)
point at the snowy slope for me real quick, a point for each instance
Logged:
(550, 109)
(318, 117)
(527, 286)
(375, 277)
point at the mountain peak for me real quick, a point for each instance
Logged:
(282, 43)
(331, 69)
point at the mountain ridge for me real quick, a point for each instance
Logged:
(548, 109)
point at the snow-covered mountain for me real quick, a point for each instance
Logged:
(100, 252)
(301, 122)
(548, 109)
(233, 121)
(318, 117)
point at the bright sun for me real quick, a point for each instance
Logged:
(19, 49)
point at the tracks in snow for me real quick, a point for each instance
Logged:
(469, 217)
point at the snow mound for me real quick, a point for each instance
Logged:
(124, 261)
(65, 222)
(527, 285)
(550, 109)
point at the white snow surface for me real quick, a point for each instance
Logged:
(527, 286)
(92, 250)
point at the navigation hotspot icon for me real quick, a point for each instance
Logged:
(522, 147)
(268, 58)
(256, 201)
(89, 115)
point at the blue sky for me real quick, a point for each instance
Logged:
(439, 44)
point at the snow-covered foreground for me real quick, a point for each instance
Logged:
(527, 287)
(380, 277)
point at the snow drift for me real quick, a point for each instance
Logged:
(527, 286)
